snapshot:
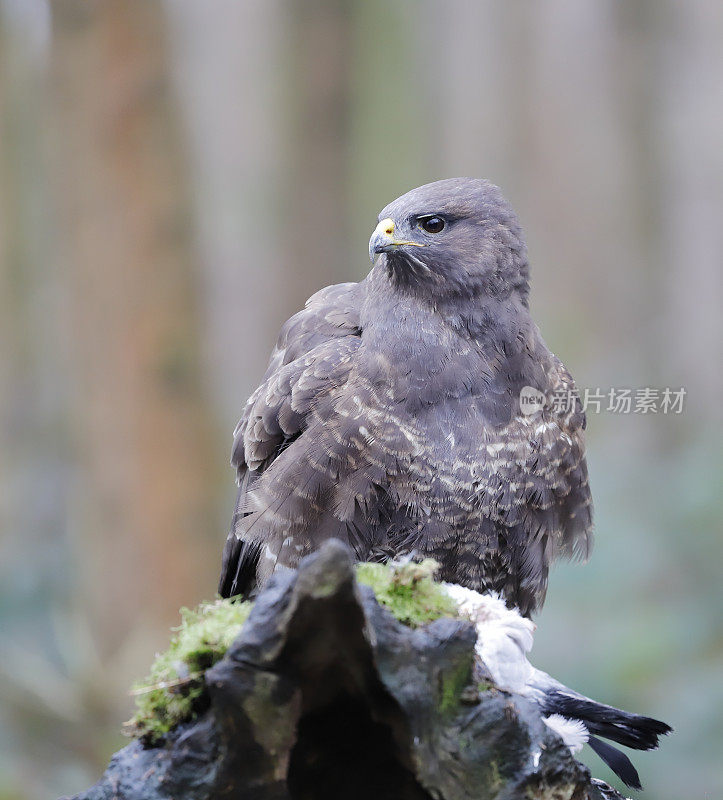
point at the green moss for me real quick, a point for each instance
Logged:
(453, 682)
(408, 591)
(494, 778)
(174, 689)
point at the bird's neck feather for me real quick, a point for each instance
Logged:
(392, 313)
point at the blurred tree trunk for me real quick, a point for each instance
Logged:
(690, 131)
(143, 491)
(33, 366)
(316, 238)
(229, 70)
(391, 143)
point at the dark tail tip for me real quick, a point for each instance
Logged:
(631, 730)
(238, 573)
(618, 762)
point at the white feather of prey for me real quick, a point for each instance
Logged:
(504, 638)
(571, 731)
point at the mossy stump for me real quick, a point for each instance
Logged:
(326, 694)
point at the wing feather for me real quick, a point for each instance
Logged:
(313, 352)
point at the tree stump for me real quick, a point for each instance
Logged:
(324, 694)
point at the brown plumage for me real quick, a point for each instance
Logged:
(389, 416)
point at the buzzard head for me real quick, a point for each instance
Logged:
(453, 238)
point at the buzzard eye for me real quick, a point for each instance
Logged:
(432, 224)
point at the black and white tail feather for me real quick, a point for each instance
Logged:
(504, 638)
(631, 730)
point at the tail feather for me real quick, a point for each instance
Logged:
(240, 557)
(618, 762)
(238, 573)
(632, 730)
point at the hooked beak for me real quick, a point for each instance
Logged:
(384, 241)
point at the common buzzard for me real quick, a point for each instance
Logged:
(390, 416)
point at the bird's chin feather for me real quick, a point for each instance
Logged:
(406, 268)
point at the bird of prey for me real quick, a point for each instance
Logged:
(504, 638)
(390, 416)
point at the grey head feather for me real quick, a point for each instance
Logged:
(480, 253)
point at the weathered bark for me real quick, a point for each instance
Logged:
(325, 695)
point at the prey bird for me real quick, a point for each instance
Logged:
(504, 638)
(390, 415)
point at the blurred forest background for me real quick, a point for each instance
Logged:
(177, 177)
